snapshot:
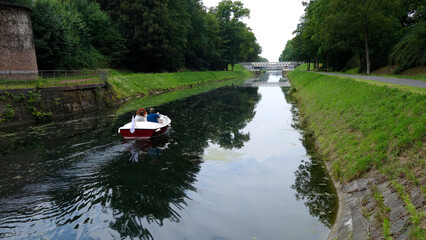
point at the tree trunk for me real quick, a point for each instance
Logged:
(316, 63)
(327, 63)
(367, 54)
(309, 65)
(232, 67)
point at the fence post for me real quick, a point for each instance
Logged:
(102, 76)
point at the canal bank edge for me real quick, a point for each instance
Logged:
(376, 203)
(19, 106)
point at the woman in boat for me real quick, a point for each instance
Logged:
(153, 117)
(141, 115)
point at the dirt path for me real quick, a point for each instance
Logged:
(400, 81)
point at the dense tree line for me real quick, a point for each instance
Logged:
(367, 34)
(143, 35)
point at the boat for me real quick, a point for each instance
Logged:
(143, 129)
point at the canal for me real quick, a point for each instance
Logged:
(236, 165)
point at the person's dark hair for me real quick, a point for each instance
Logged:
(151, 110)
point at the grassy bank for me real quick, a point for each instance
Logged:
(362, 127)
(135, 84)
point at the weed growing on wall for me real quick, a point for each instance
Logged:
(33, 99)
(9, 113)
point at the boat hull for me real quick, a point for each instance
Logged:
(145, 129)
(144, 133)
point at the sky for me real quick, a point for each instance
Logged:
(272, 21)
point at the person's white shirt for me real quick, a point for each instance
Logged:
(139, 118)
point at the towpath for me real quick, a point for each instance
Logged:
(400, 81)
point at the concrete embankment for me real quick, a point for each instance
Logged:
(373, 141)
(27, 105)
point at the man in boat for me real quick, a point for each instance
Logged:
(153, 117)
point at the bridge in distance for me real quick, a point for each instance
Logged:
(270, 65)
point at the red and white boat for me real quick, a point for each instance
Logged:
(143, 129)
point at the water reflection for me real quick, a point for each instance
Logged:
(315, 189)
(261, 78)
(312, 184)
(152, 147)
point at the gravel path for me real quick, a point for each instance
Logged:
(400, 81)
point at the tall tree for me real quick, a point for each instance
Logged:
(250, 49)
(232, 30)
(204, 41)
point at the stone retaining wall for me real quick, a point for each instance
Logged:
(357, 215)
(56, 100)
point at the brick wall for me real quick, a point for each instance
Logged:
(17, 51)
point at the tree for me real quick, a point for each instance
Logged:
(250, 49)
(232, 30)
(48, 39)
(74, 35)
(262, 59)
(204, 41)
(290, 52)
(145, 24)
(104, 35)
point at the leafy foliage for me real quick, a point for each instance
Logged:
(239, 42)
(75, 35)
(410, 50)
(170, 35)
(143, 35)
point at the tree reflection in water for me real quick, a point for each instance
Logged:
(149, 183)
(315, 190)
(312, 183)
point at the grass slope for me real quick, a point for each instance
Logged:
(360, 126)
(135, 84)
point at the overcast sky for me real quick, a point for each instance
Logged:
(272, 21)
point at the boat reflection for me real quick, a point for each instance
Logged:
(151, 147)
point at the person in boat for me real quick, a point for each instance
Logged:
(153, 117)
(141, 115)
